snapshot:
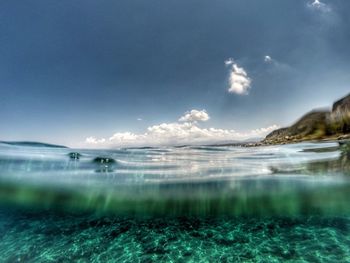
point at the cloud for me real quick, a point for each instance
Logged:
(123, 137)
(239, 82)
(93, 140)
(229, 62)
(320, 6)
(268, 59)
(139, 119)
(274, 65)
(325, 18)
(195, 115)
(177, 133)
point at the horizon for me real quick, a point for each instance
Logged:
(242, 137)
(118, 74)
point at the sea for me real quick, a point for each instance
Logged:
(284, 203)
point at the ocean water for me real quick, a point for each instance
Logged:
(285, 203)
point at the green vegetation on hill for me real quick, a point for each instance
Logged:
(316, 125)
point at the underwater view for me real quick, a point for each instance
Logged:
(281, 203)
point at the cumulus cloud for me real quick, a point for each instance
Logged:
(320, 6)
(177, 133)
(239, 82)
(195, 115)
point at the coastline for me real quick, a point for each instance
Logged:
(316, 125)
(338, 138)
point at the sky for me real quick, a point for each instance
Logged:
(131, 72)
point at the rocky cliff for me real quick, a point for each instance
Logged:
(340, 116)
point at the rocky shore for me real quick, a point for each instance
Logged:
(316, 125)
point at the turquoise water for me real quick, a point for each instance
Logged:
(188, 204)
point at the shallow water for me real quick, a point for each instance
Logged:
(199, 204)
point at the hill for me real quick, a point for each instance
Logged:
(316, 125)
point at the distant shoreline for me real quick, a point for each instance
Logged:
(32, 144)
(320, 140)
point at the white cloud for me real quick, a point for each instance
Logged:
(274, 65)
(239, 82)
(195, 115)
(93, 140)
(139, 119)
(177, 133)
(268, 59)
(318, 5)
(124, 137)
(229, 62)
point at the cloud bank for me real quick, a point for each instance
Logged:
(186, 131)
(239, 82)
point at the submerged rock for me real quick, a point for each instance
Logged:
(105, 164)
(340, 165)
(104, 160)
(74, 155)
(345, 148)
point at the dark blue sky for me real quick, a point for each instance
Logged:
(74, 69)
